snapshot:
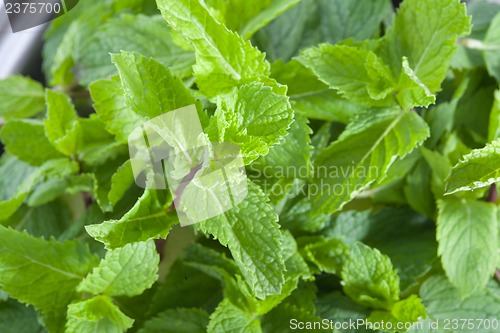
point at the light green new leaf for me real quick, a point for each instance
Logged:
(178, 321)
(494, 126)
(363, 154)
(492, 47)
(61, 125)
(327, 254)
(253, 117)
(148, 219)
(125, 271)
(56, 267)
(112, 184)
(228, 318)
(223, 59)
(369, 279)
(20, 97)
(467, 236)
(97, 314)
(358, 74)
(412, 92)
(149, 87)
(407, 311)
(429, 50)
(251, 233)
(478, 169)
(26, 139)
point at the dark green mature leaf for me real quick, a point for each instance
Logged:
(20, 97)
(231, 319)
(16, 317)
(57, 267)
(177, 321)
(223, 59)
(491, 48)
(467, 233)
(251, 232)
(363, 154)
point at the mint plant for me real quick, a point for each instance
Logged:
(371, 142)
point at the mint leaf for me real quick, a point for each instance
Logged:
(20, 97)
(16, 317)
(148, 219)
(363, 154)
(478, 169)
(96, 314)
(467, 235)
(229, 318)
(26, 139)
(251, 233)
(369, 279)
(429, 51)
(149, 88)
(126, 271)
(494, 127)
(223, 59)
(57, 267)
(177, 321)
(253, 117)
(61, 126)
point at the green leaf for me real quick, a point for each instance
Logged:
(492, 46)
(223, 59)
(363, 154)
(112, 184)
(327, 254)
(228, 318)
(429, 51)
(338, 307)
(412, 92)
(478, 169)
(16, 317)
(369, 279)
(20, 97)
(177, 321)
(148, 219)
(407, 311)
(443, 301)
(97, 314)
(357, 74)
(150, 89)
(112, 108)
(147, 35)
(252, 234)
(61, 125)
(57, 267)
(126, 271)
(253, 117)
(467, 235)
(494, 125)
(26, 139)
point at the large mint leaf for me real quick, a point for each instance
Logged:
(56, 267)
(369, 279)
(126, 271)
(253, 117)
(61, 125)
(467, 235)
(363, 154)
(251, 233)
(431, 49)
(97, 314)
(20, 97)
(26, 139)
(478, 169)
(358, 74)
(148, 219)
(223, 59)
